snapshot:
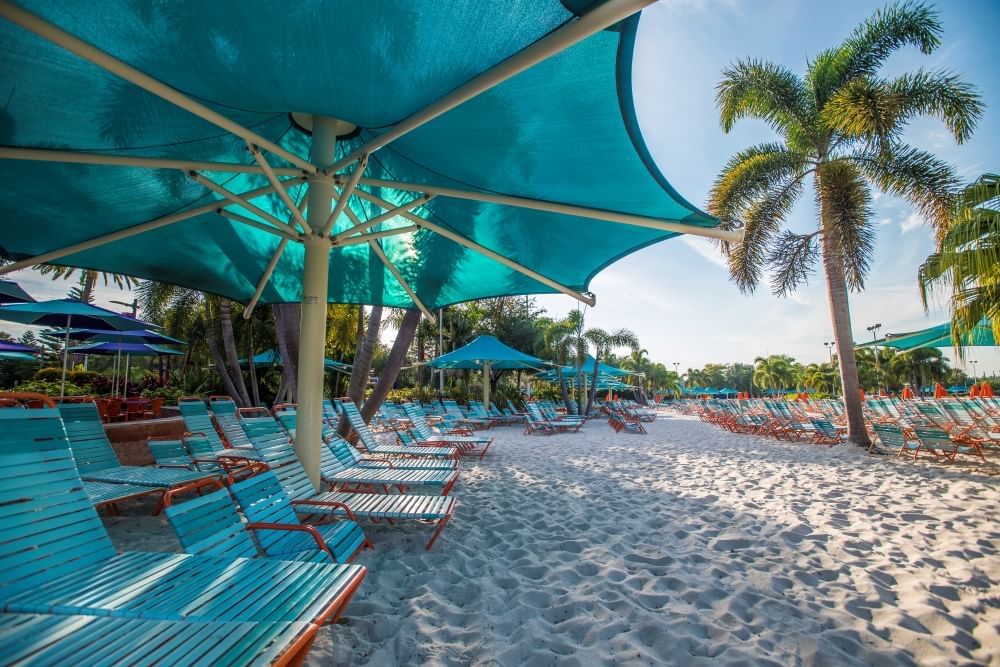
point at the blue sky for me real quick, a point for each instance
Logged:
(676, 295)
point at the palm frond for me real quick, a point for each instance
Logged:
(845, 202)
(759, 89)
(872, 42)
(750, 174)
(924, 180)
(792, 258)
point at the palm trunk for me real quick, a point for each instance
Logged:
(220, 365)
(229, 346)
(365, 349)
(286, 328)
(253, 369)
(593, 385)
(393, 363)
(840, 314)
(563, 390)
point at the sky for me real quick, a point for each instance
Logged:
(676, 295)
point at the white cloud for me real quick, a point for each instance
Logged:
(886, 221)
(707, 249)
(912, 221)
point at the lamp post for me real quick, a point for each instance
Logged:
(829, 350)
(878, 367)
(975, 375)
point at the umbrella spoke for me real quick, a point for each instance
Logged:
(279, 188)
(143, 162)
(360, 226)
(244, 203)
(346, 193)
(377, 249)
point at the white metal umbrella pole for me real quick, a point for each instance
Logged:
(486, 385)
(315, 274)
(62, 389)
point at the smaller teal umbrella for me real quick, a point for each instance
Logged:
(486, 353)
(11, 292)
(16, 356)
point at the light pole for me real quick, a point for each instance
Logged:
(829, 349)
(878, 367)
(975, 375)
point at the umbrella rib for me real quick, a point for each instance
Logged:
(364, 238)
(377, 249)
(74, 157)
(588, 299)
(345, 195)
(105, 61)
(389, 214)
(733, 236)
(257, 224)
(558, 40)
(279, 187)
(124, 233)
(242, 201)
(264, 279)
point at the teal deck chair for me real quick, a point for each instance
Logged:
(225, 413)
(468, 445)
(367, 439)
(210, 525)
(286, 486)
(57, 640)
(58, 558)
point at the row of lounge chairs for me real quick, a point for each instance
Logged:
(941, 429)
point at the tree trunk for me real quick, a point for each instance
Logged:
(286, 328)
(220, 365)
(564, 391)
(393, 363)
(229, 345)
(421, 370)
(253, 369)
(593, 385)
(840, 315)
(365, 349)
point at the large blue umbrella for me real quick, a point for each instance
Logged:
(486, 353)
(64, 313)
(11, 292)
(410, 154)
(105, 336)
(129, 349)
(16, 356)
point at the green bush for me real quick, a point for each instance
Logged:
(82, 378)
(168, 394)
(412, 393)
(51, 388)
(49, 374)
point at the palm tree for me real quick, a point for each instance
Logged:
(841, 124)
(919, 367)
(604, 343)
(88, 279)
(774, 372)
(967, 260)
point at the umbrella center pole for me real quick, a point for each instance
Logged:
(315, 276)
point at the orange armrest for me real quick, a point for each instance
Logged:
(295, 528)
(328, 503)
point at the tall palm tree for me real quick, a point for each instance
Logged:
(967, 261)
(559, 339)
(841, 125)
(604, 343)
(88, 279)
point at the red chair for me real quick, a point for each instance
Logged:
(153, 409)
(115, 410)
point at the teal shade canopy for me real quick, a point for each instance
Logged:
(273, 358)
(103, 336)
(487, 349)
(11, 292)
(60, 312)
(16, 356)
(938, 336)
(564, 132)
(587, 367)
(133, 349)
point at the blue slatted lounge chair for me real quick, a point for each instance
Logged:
(285, 490)
(103, 494)
(224, 411)
(619, 424)
(467, 445)
(194, 453)
(366, 439)
(210, 525)
(96, 459)
(455, 416)
(276, 449)
(892, 438)
(198, 420)
(478, 411)
(826, 433)
(938, 440)
(58, 557)
(540, 422)
(415, 459)
(57, 640)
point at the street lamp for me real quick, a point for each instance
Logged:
(829, 348)
(878, 368)
(975, 375)
(676, 366)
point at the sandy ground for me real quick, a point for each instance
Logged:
(689, 545)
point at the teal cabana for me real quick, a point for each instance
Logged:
(938, 336)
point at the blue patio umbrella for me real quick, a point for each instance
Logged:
(8, 346)
(411, 154)
(272, 357)
(105, 336)
(64, 313)
(7, 355)
(11, 292)
(486, 353)
(129, 350)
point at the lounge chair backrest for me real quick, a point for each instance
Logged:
(344, 452)
(48, 526)
(418, 420)
(201, 447)
(890, 435)
(357, 422)
(286, 467)
(222, 405)
(169, 452)
(210, 525)
(932, 436)
(197, 420)
(85, 431)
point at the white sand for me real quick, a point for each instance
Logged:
(690, 545)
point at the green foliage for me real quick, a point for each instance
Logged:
(50, 388)
(49, 374)
(168, 394)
